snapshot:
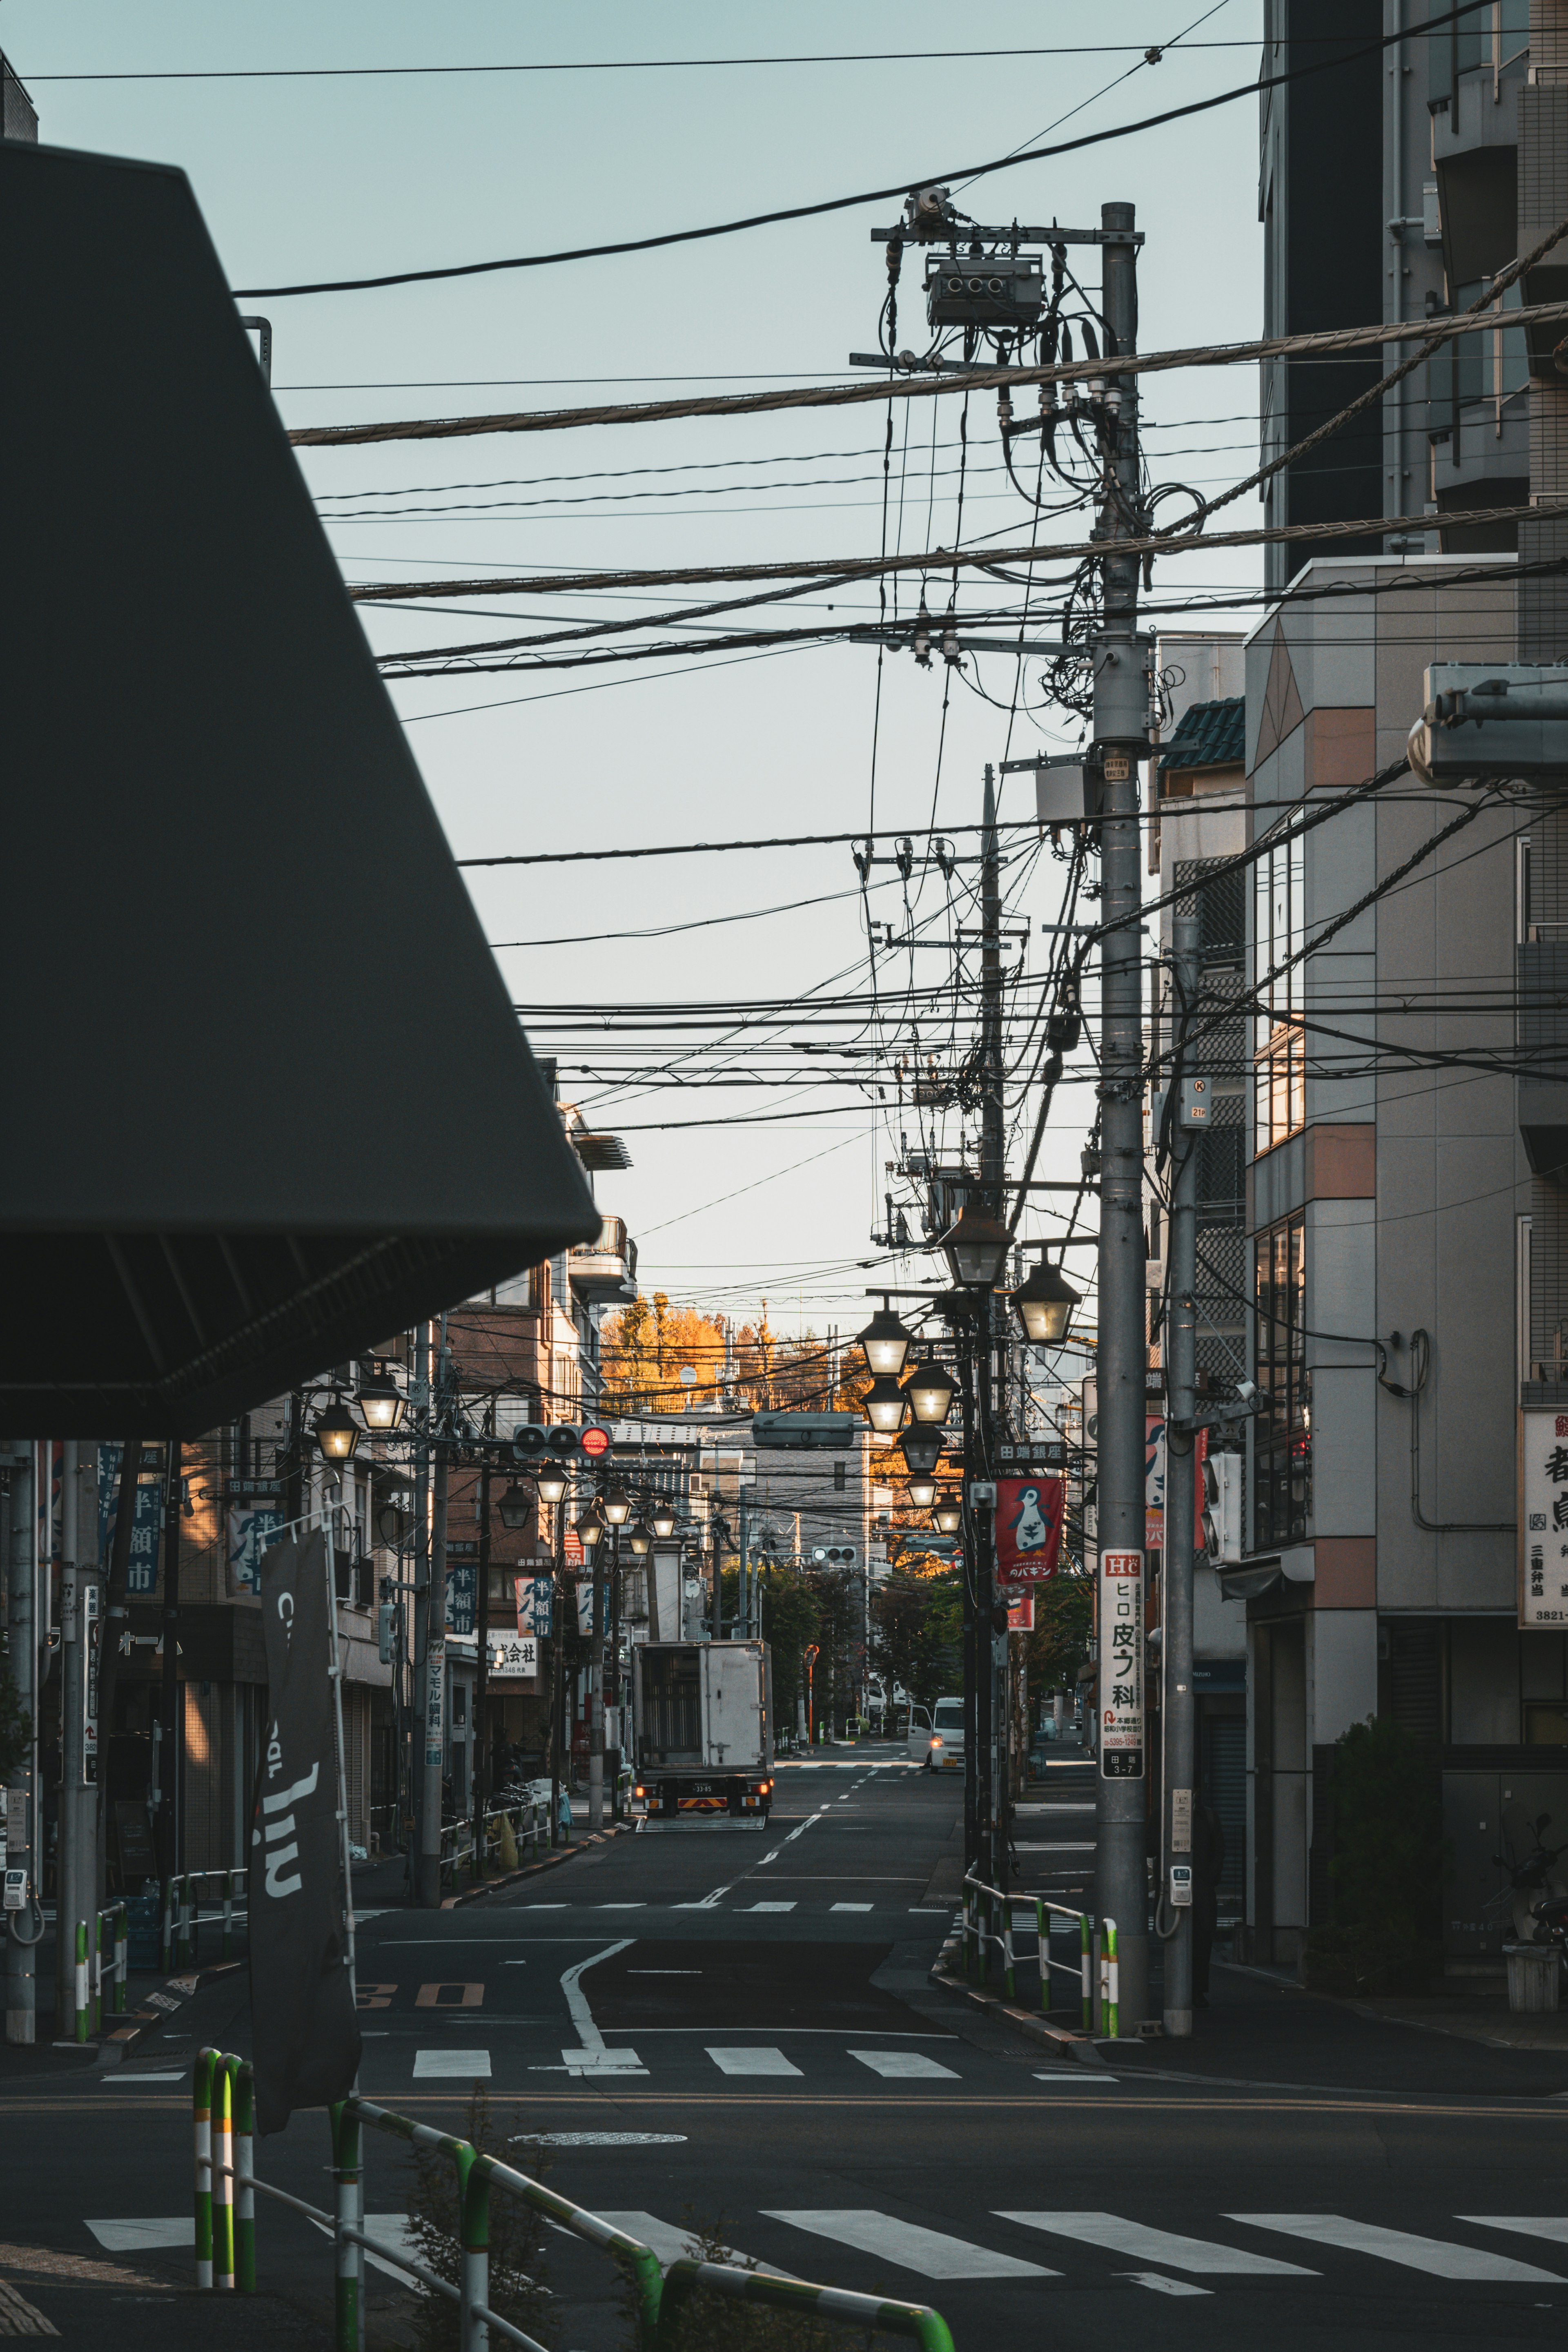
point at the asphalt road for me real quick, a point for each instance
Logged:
(732, 2027)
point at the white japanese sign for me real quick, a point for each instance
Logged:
(1121, 1638)
(1543, 1517)
(434, 1702)
(513, 1654)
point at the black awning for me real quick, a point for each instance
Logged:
(265, 1099)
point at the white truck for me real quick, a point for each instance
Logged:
(702, 1727)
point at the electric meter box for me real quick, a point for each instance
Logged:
(1181, 1885)
(984, 289)
(16, 1889)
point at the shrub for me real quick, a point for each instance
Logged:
(516, 2240)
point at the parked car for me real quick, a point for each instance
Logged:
(946, 1753)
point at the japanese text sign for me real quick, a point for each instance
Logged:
(1120, 1639)
(534, 1597)
(1543, 1518)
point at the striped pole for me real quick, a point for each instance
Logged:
(97, 1965)
(916, 2320)
(121, 1959)
(166, 1928)
(1086, 1956)
(1110, 1974)
(244, 2174)
(1010, 1974)
(351, 2257)
(223, 2179)
(474, 2205)
(228, 1915)
(81, 1981)
(1042, 1941)
(202, 2117)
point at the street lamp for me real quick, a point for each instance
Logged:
(885, 1405)
(884, 1343)
(516, 1507)
(923, 1492)
(1044, 1304)
(921, 1447)
(590, 1527)
(616, 1506)
(975, 1247)
(380, 1400)
(550, 1482)
(931, 1390)
(664, 1520)
(639, 1537)
(948, 1516)
(337, 1431)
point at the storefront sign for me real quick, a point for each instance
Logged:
(1029, 1530)
(145, 1528)
(1153, 1483)
(513, 1655)
(1120, 1639)
(1543, 1517)
(462, 1577)
(251, 1531)
(1020, 1614)
(535, 1595)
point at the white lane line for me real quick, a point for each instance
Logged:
(178, 2075)
(1529, 2225)
(468, 2064)
(766, 1907)
(621, 1906)
(1431, 2255)
(1163, 2285)
(789, 1840)
(142, 2237)
(849, 1906)
(1145, 2245)
(752, 2062)
(903, 2065)
(1076, 2078)
(930, 2253)
(708, 1902)
(593, 2057)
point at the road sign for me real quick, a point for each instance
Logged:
(828, 1433)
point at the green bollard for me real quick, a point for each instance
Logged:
(351, 2257)
(474, 2194)
(121, 1959)
(223, 2175)
(245, 2173)
(82, 1996)
(202, 2118)
(1086, 1954)
(1112, 1983)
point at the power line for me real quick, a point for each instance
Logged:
(777, 841)
(966, 171)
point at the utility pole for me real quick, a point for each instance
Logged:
(76, 1873)
(596, 1691)
(482, 1655)
(419, 1615)
(1121, 739)
(991, 1647)
(1178, 1712)
(24, 1923)
(433, 1688)
(166, 1754)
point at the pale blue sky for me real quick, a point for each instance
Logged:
(305, 179)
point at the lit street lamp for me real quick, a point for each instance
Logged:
(380, 1399)
(922, 1492)
(616, 1506)
(337, 1431)
(885, 1405)
(948, 1516)
(590, 1526)
(931, 1390)
(639, 1537)
(1044, 1304)
(664, 1520)
(884, 1343)
(550, 1482)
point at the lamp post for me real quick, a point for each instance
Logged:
(1043, 1306)
(884, 1343)
(335, 1431)
(590, 1529)
(380, 1400)
(885, 1406)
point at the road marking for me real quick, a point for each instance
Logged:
(930, 2253)
(849, 1906)
(903, 2065)
(621, 1906)
(767, 1907)
(178, 2075)
(1529, 2225)
(709, 1903)
(468, 2064)
(142, 2237)
(1145, 2245)
(1075, 2078)
(1163, 2285)
(752, 2062)
(469, 1996)
(657, 1972)
(669, 2243)
(783, 1841)
(593, 2057)
(1432, 2255)
(599, 2139)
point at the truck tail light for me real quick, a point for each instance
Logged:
(639, 1792)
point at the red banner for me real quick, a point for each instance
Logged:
(1029, 1530)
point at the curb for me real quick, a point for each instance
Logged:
(116, 2043)
(533, 1869)
(1082, 2047)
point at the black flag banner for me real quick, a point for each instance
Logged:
(305, 2032)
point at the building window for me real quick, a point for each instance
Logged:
(1282, 1442)
(1278, 932)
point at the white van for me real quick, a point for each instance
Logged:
(946, 1753)
(917, 1733)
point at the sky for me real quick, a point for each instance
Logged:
(739, 1192)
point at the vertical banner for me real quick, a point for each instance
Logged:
(305, 2036)
(1028, 1530)
(535, 1598)
(462, 1584)
(141, 1577)
(1120, 1637)
(250, 1532)
(1154, 1482)
(1543, 1517)
(436, 1704)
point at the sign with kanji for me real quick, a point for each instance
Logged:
(462, 1580)
(1543, 1517)
(572, 1548)
(250, 1533)
(513, 1655)
(535, 1595)
(1120, 1639)
(146, 1528)
(1020, 1614)
(1029, 1530)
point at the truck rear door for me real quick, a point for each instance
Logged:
(732, 1705)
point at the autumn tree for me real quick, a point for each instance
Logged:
(648, 1345)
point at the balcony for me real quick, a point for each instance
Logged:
(605, 1271)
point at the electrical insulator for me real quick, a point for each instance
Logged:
(923, 636)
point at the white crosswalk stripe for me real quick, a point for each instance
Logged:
(767, 1907)
(849, 1906)
(903, 2065)
(467, 2064)
(1163, 2285)
(1529, 2225)
(752, 2062)
(1142, 2244)
(930, 2253)
(1437, 2257)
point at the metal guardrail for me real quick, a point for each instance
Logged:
(180, 1934)
(978, 1931)
(91, 1971)
(530, 1823)
(226, 2188)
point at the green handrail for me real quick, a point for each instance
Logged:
(917, 2321)
(486, 2173)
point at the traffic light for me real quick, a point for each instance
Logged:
(833, 1555)
(1222, 1509)
(567, 1441)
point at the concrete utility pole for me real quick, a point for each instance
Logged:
(481, 1776)
(434, 1686)
(24, 1925)
(1178, 1713)
(76, 1874)
(991, 1647)
(166, 1755)
(1121, 739)
(596, 1688)
(419, 1618)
